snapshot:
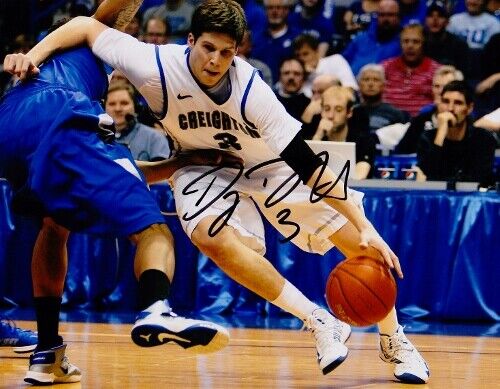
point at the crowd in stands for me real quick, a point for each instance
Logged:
(370, 71)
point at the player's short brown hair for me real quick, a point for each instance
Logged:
(223, 16)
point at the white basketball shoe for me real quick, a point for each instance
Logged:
(330, 334)
(409, 366)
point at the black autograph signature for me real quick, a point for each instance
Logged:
(318, 193)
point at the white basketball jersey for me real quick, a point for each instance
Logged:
(251, 122)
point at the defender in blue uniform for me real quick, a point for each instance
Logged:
(58, 152)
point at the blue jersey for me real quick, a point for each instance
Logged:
(58, 164)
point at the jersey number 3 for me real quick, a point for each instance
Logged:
(227, 141)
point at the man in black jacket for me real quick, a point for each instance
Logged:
(456, 150)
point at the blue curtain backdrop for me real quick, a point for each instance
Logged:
(448, 244)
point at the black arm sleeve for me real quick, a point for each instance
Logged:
(299, 156)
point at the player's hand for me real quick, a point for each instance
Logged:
(20, 65)
(370, 237)
(210, 157)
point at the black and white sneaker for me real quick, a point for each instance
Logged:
(52, 367)
(158, 325)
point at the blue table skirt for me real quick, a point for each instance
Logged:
(448, 244)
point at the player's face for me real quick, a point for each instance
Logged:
(211, 56)
(455, 103)
(118, 104)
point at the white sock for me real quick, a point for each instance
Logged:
(293, 301)
(389, 325)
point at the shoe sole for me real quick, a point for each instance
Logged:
(24, 349)
(332, 366)
(206, 339)
(408, 378)
(44, 379)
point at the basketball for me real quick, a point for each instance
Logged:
(361, 291)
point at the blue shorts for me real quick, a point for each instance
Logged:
(59, 167)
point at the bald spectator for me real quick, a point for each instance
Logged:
(156, 31)
(336, 107)
(273, 44)
(409, 76)
(378, 43)
(371, 80)
(441, 45)
(306, 49)
(312, 114)
(177, 13)
(289, 87)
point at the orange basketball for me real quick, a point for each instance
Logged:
(361, 291)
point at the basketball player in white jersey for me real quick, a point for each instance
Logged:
(206, 97)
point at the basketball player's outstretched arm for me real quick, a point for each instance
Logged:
(162, 170)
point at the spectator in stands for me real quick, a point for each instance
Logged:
(177, 14)
(359, 16)
(371, 80)
(475, 25)
(310, 20)
(244, 50)
(409, 76)
(441, 45)
(274, 44)
(456, 150)
(488, 89)
(312, 114)
(336, 108)
(289, 87)
(145, 143)
(442, 76)
(156, 31)
(306, 49)
(427, 119)
(379, 42)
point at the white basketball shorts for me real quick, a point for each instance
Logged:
(236, 197)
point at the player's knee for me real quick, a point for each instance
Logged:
(213, 246)
(154, 231)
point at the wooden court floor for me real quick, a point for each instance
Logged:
(257, 358)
